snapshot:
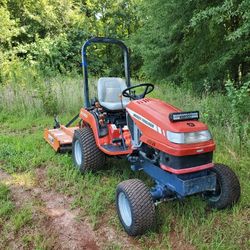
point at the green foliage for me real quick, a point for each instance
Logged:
(6, 206)
(47, 96)
(23, 217)
(239, 98)
(203, 42)
(8, 28)
(49, 34)
(11, 218)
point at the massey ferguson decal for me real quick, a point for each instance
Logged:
(146, 122)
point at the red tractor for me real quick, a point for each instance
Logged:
(173, 147)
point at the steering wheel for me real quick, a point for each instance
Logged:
(148, 89)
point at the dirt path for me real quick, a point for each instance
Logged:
(63, 223)
(178, 242)
(65, 226)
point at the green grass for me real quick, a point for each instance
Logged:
(22, 150)
(23, 217)
(13, 220)
(18, 225)
(6, 205)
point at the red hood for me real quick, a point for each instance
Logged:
(157, 112)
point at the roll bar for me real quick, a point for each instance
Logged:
(85, 65)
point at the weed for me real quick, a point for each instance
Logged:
(23, 217)
(6, 205)
(238, 99)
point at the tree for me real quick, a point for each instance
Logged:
(51, 33)
(203, 42)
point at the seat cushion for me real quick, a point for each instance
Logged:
(109, 92)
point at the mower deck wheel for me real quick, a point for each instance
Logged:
(227, 188)
(135, 207)
(86, 155)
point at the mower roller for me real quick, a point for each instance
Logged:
(172, 147)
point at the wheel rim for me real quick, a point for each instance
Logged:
(78, 152)
(124, 209)
(215, 196)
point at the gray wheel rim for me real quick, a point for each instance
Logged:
(214, 197)
(124, 209)
(78, 153)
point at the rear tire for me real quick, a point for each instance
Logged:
(135, 207)
(227, 190)
(85, 153)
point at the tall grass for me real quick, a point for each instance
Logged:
(30, 93)
(64, 95)
(57, 95)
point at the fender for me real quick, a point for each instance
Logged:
(89, 119)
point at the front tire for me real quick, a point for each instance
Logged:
(85, 153)
(135, 207)
(227, 190)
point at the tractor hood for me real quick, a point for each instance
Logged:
(151, 116)
(155, 114)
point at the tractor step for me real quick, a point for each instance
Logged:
(114, 148)
(60, 138)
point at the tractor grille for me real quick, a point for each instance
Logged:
(188, 161)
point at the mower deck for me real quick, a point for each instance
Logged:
(60, 138)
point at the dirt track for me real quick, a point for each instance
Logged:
(68, 228)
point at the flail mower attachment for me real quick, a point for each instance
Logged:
(60, 138)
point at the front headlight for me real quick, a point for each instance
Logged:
(188, 138)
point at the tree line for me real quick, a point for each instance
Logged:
(202, 42)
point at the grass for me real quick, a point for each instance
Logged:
(22, 150)
(21, 218)
(6, 206)
(14, 221)
(20, 226)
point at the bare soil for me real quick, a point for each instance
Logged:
(66, 227)
(178, 242)
(69, 229)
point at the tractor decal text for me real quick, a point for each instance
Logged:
(51, 139)
(146, 122)
(143, 120)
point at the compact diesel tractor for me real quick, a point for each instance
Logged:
(173, 147)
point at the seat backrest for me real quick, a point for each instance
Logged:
(109, 92)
